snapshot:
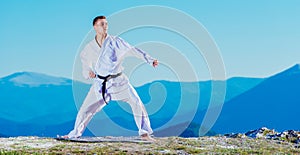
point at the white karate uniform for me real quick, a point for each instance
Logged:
(107, 61)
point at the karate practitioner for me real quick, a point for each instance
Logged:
(101, 62)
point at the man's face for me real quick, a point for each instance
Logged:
(101, 26)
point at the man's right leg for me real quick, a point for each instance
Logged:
(88, 109)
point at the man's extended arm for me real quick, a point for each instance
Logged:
(124, 46)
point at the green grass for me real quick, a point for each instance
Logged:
(169, 145)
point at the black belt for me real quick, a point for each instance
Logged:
(105, 79)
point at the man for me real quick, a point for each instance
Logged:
(101, 61)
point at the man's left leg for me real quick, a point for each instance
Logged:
(139, 112)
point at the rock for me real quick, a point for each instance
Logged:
(265, 133)
(260, 133)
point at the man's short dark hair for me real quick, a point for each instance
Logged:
(97, 18)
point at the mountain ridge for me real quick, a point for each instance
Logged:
(274, 103)
(24, 103)
(295, 69)
(34, 79)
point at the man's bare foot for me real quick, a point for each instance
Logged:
(146, 137)
(65, 136)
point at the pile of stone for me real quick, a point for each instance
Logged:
(265, 133)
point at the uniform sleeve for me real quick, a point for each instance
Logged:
(131, 50)
(86, 67)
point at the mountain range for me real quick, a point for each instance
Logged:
(41, 105)
(274, 103)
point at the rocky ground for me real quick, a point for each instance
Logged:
(167, 145)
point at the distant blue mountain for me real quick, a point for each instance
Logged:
(42, 105)
(31, 79)
(238, 85)
(26, 97)
(274, 103)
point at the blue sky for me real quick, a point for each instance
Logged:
(255, 38)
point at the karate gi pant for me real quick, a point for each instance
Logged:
(92, 105)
